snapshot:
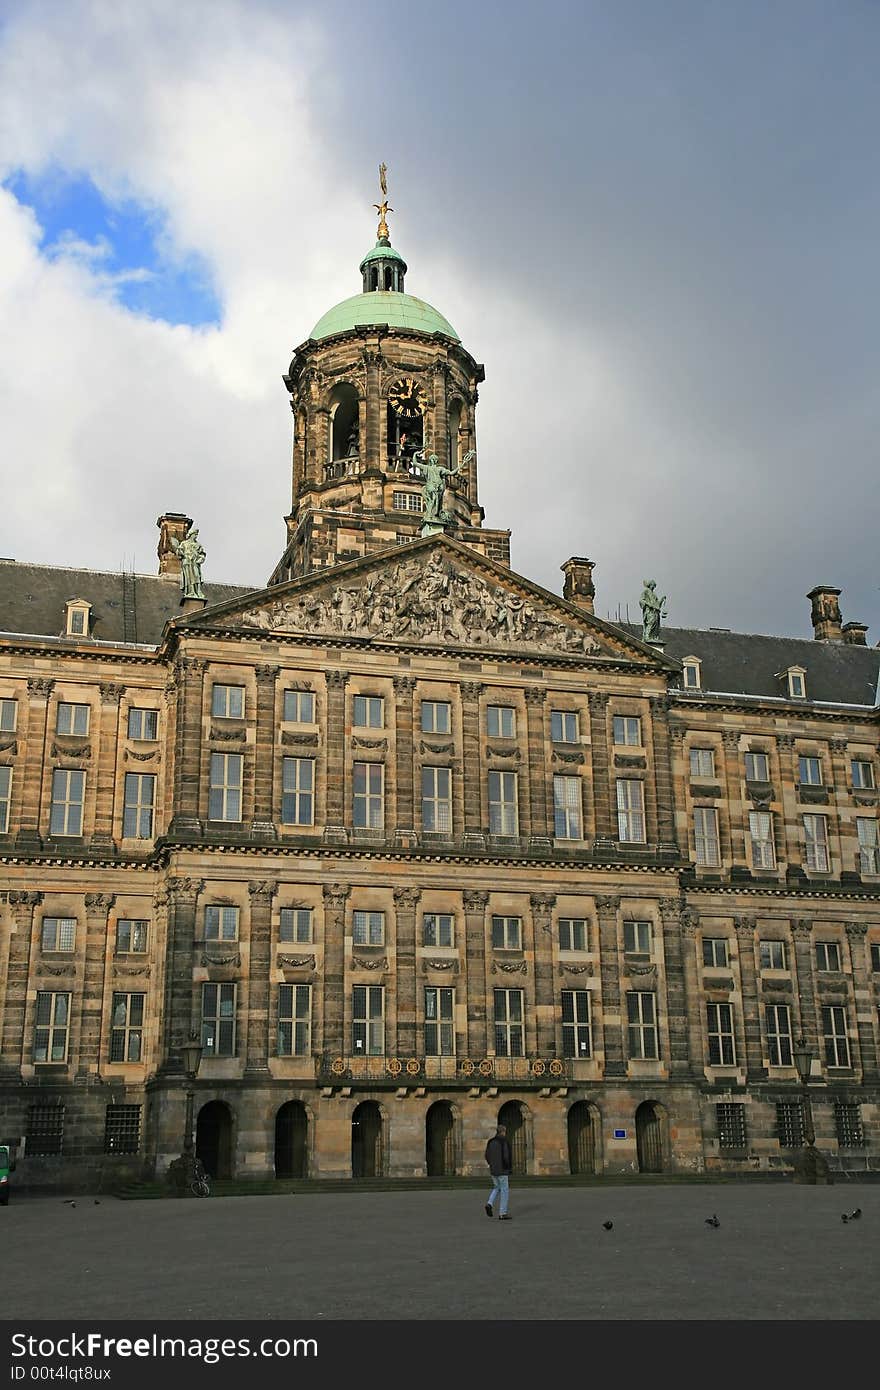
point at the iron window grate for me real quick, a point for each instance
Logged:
(45, 1132)
(790, 1124)
(122, 1129)
(850, 1134)
(731, 1126)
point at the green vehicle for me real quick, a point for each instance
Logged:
(7, 1165)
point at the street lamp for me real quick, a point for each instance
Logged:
(191, 1056)
(811, 1166)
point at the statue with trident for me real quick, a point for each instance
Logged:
(434, 484)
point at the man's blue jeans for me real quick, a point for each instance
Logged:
(500, 1188)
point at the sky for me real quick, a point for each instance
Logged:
(655, 224)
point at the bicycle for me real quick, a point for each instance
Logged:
(200, 1187)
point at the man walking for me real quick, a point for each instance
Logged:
(498, 1157)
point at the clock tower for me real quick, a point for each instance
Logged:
(384, 398)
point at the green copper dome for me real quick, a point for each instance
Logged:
(382, 306)
(382, 251)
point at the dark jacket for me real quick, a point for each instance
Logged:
(498, 1155)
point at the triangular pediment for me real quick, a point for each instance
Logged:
(434, 592)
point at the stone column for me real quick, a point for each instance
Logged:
(178, 1020)
(261, 892)
(604, 794)
(406, 901)
(475, 947)
(334, 825)
(663, 786)
(806, 994)
(539, 804)
(105, 765)
(731, 784)
(545, 1012)
(94, 959)
(15, 1051)
(189, 679)
(35, 761)
(690, 926)
(676, 987)
(405, 832)
(335, 898)
(745, 935)
(844, 832)
(440, 446)
(263, 824)
(791, 831)
(375, 406)
(866, 1011)
(609, 968)
(680, 779)
(474, 833)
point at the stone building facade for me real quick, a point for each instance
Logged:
(411, 843)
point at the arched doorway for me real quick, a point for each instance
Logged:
(292, 1141)
(512, 1115)
(649, 1137)
(440, 1140)
(366, 1141)
(581, 1138)
(214, 1139)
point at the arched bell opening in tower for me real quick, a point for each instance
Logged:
(406, 423)
(344, 430)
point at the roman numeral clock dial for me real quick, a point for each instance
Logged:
(407, 398)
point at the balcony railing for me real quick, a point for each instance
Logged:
(414, 1071)
(348, 467)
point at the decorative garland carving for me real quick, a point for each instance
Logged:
(559, 757)
(633, 969)
(566, 969)
(380, 744)
(301, 740)
(505, 752)
(141, 757)
(10, 746)
(630, 760)
(446, 964)
(364, 963)
(436, 749)
(297, 962)
(119, 968)
(84, 751)
(210, 959)
(59, 969)
(509, 967)
(227, 735)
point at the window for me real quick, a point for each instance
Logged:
(368, 1020)
(227, 702)
(407, 502)
(45, 1129)
(810, 772)
(52, 1023)
(440, 1022)
(72, 719)
(131, 936)
(577, 1036)
(122, 1129)
(572, 934)
(68, 792)
(299, 707)
(369, 712)
(437, 929)
(862, 774)
(503, 814)
(708, 850)
(137, 812)
(437, 800)
(368, 928)
(641, 1014)
(500, 721)
(715, 954)
(691, 674)
(78, 618)
(630, 811)
(757, 767)
(294, 1020)
(797, 688)
(221, 923)
(777, 1020)
(828, 955)
(790, 1124)
(58, 933)
(848, 1119)
(436, 717)
(127, 1027)
(567, 812)
(295, 924)
(869, 850)
(218, 1020)
(224, 793)
(761, 838)
(564, 726)
(8, 716)
(507, 933)
(637, 938)
(731, 1121)
(143, 724)
(702, 762)
(816, 839)
(834, 1036)
(509, 1028)
(875, 957)
(627, 730)
(369, 796)
(297, 791)
(5, 797)
(719, 1026)
(773, 955)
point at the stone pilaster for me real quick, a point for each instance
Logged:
(539, 809)
(838, 828)
(475, 903)
(806, 992)
(549, 1044)
(334, 826)
(474, 832)
(178, 1013)
(35, 761)
(663, 787)
(404, 688)
(676, 988)
(263, 824)
(94, 959)
(261, 892)
(607, 906)
(406, 901)
(440, 445)
(865, 1009)
(604, 793)
(746, 928)
(690, 926)
(105, 765)
(15, 1050)
(375, 408)
(189, 680)
(335, 898)
(731, 782)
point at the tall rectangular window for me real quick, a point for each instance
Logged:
(637, 938)
(627, 730)
(299, 707)
(368, 928)
(869, 849)
(368, 1020)
(731, 1121)
(708, 850)
(143, 725)
(227, 701)
(702, 762)
(715, 952)
(58, 933)
(790, 1124)
(221, 922)
(45, 1129)
(816, 841)
(761, 838)
(835, 1037)
(218, 1019)
(572, 934)
(719, 1026)
(68, 796)
(564, 726)
(862, 774)
(127, 1028)
(509, 1026)
(439, 1021)
(122, 1129)
(567, 808)
(224, 794)
(809, 772)
(630, 811)
(437, 929)
(294, 1020)
(72, 719)
(52, 1023)
(369, 796)
(8, 716)
(503, 812)
(369, 712)
(137, 813)
(848, 1121)
(5, 797)
(777, 1021)
(507, 933)
(828, 955)
(500, 721)
(436, 717)
(757, 767)
(131, 936)
(295, 925)
(641, 1017)
(773, 955)
(437, 800)
(875, 957)
(577, 1036)
(297, 791)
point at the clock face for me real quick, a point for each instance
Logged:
(407, 398)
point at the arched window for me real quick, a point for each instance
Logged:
(454, 426)
(344, 425)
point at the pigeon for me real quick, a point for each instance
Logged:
(70, 1203)
(854, 1215)
(713, 1221)
(97, 1203)
(844, 1218)
(606, 1225)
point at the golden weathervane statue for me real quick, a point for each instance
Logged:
(383, 208)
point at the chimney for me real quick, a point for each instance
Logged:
(172, 525)
(856, 634)
(825, 613)
(578, 588)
